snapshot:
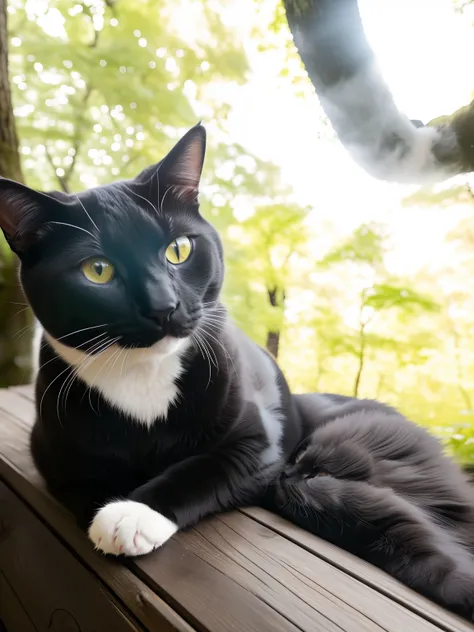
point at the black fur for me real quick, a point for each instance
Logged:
(358, 473)
(380, 487)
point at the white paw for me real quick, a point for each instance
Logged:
(126, 527)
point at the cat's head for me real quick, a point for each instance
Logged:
(132, 261)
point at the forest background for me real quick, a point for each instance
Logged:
(357, 286)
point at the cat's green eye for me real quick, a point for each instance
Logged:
(98, 271)
(179, 250)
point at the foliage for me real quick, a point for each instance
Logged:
(102, 89)
(444, 196)
(460, 440)
(260, 253)
(378, 293)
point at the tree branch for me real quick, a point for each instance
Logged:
(342, 66)
(61, 180)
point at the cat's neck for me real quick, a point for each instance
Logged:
(140, 383)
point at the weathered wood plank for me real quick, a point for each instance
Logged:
(48, 582)
(364, 572)
(20, 404)
(12, 613)
(310, 592)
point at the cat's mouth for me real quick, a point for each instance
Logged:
(165, 346)
(148, 337)
(144, 340)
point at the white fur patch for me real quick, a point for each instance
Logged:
(366, 118)
(36, 348)
(261, 387)
(140, 383)
(268, 399)
(126, 527)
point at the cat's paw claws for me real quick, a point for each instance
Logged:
(126, 527)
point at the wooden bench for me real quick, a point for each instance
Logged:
(246, 571)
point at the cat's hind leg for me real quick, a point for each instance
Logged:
(386, 530)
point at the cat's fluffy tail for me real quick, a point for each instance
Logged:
(340, 63)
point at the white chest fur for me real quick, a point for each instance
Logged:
(140, 383)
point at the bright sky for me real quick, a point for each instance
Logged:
(425, 50)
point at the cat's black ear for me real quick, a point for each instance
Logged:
(181, 169)
(22, 213)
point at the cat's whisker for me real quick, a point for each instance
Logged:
(71, 379)
(90, 355)
(211, 316)
(117, 353)
(57, 357)
(210, 360)
(23, 331)
(87, 213)
(20, 311)
(214, 306)
(206, 332)
(195, 340)
(58, 399)
(93, 357)
(84, 230)
(122, 352)
(140, 196)
(216, 324)
(163, 199)
(215, 315)
(157, 185)
(124, 362)
(215, 311)
(79, 331)
(101, 368)
(209, 350)
(75, 372)
(49, 386)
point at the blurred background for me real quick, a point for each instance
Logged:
(357, 286)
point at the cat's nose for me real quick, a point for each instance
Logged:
(161, 314)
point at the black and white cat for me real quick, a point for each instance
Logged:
(154, 411)
(145, 391)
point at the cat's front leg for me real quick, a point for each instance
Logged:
(179, 498)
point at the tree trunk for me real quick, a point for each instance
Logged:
(15, 321)
(273, 343)
(460, 372)
(276, 298)
(360, 368)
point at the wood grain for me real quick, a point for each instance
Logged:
(362, 571)
(310, 592)
(47, 581)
